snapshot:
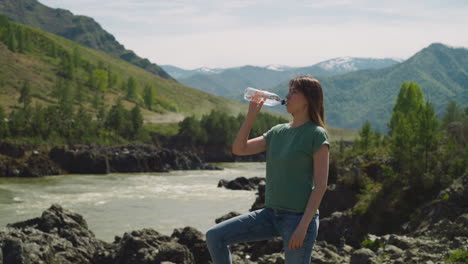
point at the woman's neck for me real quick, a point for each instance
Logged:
(300, 119)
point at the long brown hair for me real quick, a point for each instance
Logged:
(313, 92)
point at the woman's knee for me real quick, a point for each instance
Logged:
(212, 235)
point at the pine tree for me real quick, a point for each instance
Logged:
(427, 134)
(452, 114)
(148, 96)
(117, 120)
(53, 50)
(137, 120)
(131, 88)
(76, 57)
(190, 129)
(25, 94)
(365, 135)
(4, 131)
(12, 43)
(410, 98)
(67, 69)
(79, 93)
(414, 132)
(112, 78)
(21, 40)
(100, 80)
(39, 125)
(65, 100)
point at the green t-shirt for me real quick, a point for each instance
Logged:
(290, 166)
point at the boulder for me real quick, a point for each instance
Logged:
(242, 183)
(148, 246)
(58, 236)
(363, 256)
(340, 228)
(195, 241)
(226, 217)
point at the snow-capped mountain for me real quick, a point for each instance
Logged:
(207, 70)
(348, 64)
(179, 73)
(277, 67)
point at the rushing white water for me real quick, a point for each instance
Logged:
(116, 203)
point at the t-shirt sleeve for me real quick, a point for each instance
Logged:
(320, 138)
(267, 135)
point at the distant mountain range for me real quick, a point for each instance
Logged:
(356, 89)
(81, 29)
(230, 82)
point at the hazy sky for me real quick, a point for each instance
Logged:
(216, 33)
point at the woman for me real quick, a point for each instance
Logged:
(296, 178)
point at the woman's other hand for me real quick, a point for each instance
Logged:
(297, 239)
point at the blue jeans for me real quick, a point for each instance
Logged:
(262, 224)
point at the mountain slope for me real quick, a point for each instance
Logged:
(81, 29)
(353, 98)
(38, 66)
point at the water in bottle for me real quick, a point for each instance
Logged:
(271, 98)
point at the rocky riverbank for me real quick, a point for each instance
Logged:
(30, 161)
(61, 236)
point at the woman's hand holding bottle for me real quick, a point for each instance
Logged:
(256, 104)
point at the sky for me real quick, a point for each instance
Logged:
(231, 33)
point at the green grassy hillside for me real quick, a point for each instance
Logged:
(42, 71)
(80, 29)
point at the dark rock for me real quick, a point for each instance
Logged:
(325, 253)
(195, 242)
(40, 165)
(439, 218)
(261, 248)
(260, 200)
(81, 161)
(363, 256)
(12, 150)
(242, 183)
(148, 246)
(276, 258)
(129, 158)
(226, 217)
(61, 236)
(13, 251)
(338, 228)
(337, 198)
(58, 236)
(222, 183)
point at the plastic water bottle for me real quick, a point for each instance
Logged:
(271, 98)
